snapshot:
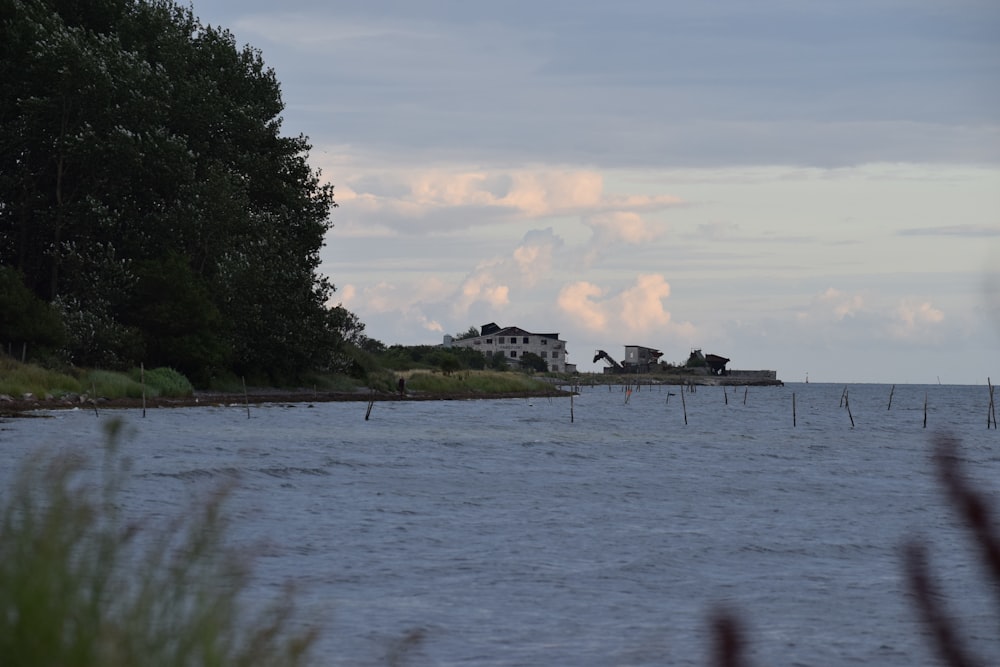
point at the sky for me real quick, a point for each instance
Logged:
(800, 186)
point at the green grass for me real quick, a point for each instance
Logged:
(163, 382)
(111, 384)
(17, 379)
(81, 586)
(479, 382)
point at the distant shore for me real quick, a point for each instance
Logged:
(17, 407)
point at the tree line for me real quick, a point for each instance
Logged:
(151, 210)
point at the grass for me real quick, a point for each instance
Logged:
(81, 586)
(164, 382)
(477, 382)
(17, 379)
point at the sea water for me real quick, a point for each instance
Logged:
(602, 531)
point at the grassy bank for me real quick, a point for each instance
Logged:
(18, 380)
(28, 384)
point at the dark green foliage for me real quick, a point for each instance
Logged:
(497, 361)
(146, 189)
(531, 361)
(164, 382)
(410, 357)
(471, 332)
(26, 318)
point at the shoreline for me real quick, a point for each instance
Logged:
(13, 408)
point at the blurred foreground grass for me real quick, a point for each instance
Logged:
(81, 586)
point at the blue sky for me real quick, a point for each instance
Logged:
(810, 187)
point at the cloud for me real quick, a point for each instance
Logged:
(482, 285)
(840, 304)
(378, 201)
(635, 311)
(533, 258)
(407, 304)
(625, 226)
(968, 231)
(916, 320)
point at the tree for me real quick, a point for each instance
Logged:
(141, 158)
(471, 332)
(497, 361)
(530, 360)
(24, 317)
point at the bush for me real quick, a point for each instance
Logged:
(164, 381)
(79, 586)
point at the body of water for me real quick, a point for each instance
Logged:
(509, 535)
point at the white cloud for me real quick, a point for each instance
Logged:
(841, 305)
(916, 320)
(635, 311)
(625, 226)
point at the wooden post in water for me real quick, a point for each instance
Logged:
(847, 402)
(93, 394)
(142, 378)
(793, 410)
(684, 405)
(991, 412)
(571, 408)
(925, 409)
(371, 402)
(890, 397)
(725, 394)
(246, 397)
(746, 390)
(842, 395)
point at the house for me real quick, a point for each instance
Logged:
(514, 342)
(639, 359)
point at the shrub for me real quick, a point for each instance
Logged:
(164, 381)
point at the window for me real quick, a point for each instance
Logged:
(555, 355)
(513, 353)
(525, 340)
(489, 341)
(544, 354)
(545, 341)
(500, 340)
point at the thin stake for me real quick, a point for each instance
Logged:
(925, 409)
(93, 391)
(992, 411)
(571, 408)
(246, 397)
(890, 397)
(725, 394)
(371, 402)
(684, 405)
(746, 390)
(842, 395)
(847, 402)
(794, 421)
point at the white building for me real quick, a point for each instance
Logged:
(514, 342)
